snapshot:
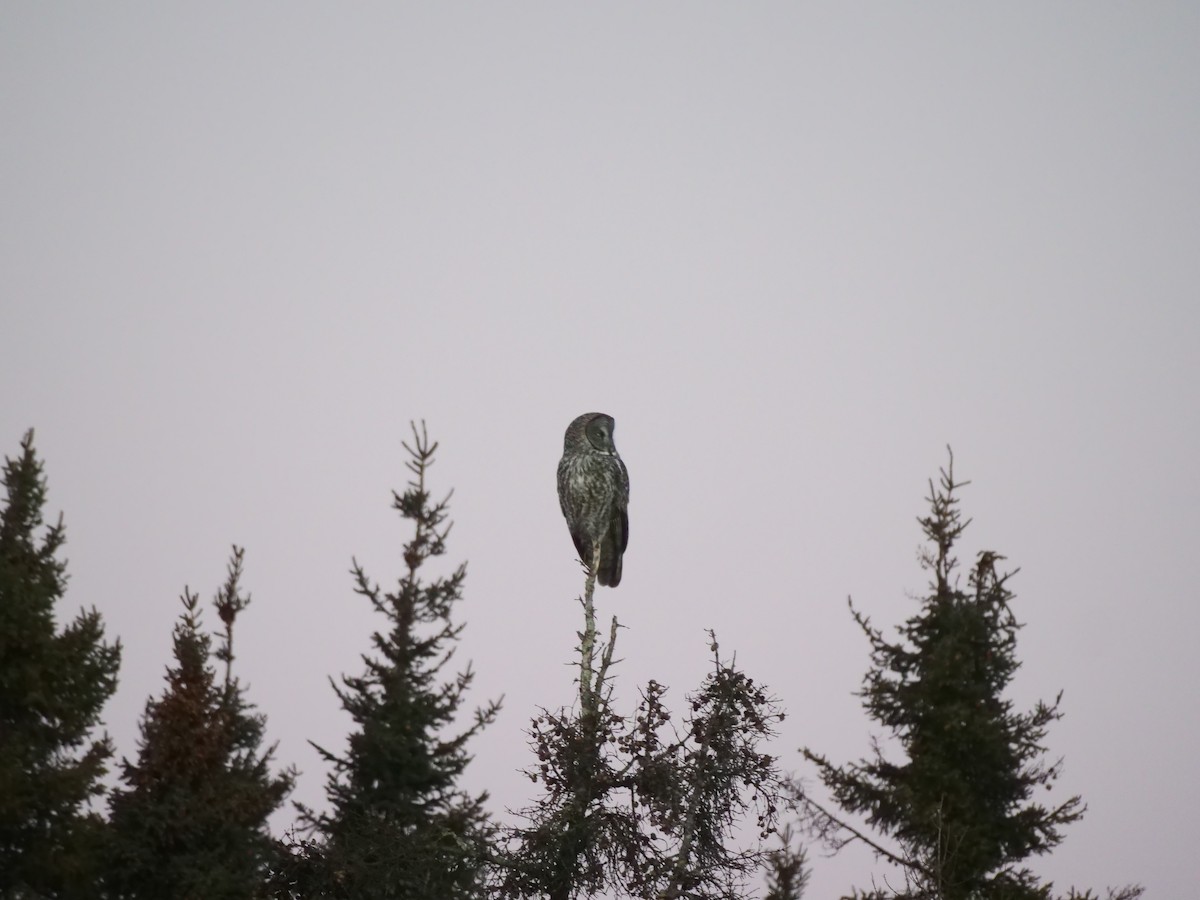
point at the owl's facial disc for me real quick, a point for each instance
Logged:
(598, 434)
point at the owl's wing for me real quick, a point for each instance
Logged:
(585, 554)
(622, 504)
(612, 547)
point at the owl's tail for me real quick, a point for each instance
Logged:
(609, 574)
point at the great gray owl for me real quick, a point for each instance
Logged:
(593, 491)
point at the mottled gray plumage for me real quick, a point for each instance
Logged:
(593, 491)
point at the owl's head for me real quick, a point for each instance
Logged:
(591, 431)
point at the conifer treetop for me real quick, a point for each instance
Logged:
(398, 823)
(960, 810)
(54, 683)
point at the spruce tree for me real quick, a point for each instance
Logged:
(398, 825)
(191, 821)
(53, 684)
(646, 805)
(958, 800)
(787, 869)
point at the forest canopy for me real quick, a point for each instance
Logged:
(691, 799)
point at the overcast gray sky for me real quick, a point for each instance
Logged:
(794, 249)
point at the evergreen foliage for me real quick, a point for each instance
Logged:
(635, 806)
(53, 685)
(787, 869)
(648, 805)
(399, 826)
(959, 804)
(191, 821)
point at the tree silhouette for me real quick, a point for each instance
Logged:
(398, 825)
(53, 684)
(634, 805)
(787, 869)
(958, 803)
(191, 821)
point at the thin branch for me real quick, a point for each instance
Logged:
(689, 829)
(882, 851)
(606, 656)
